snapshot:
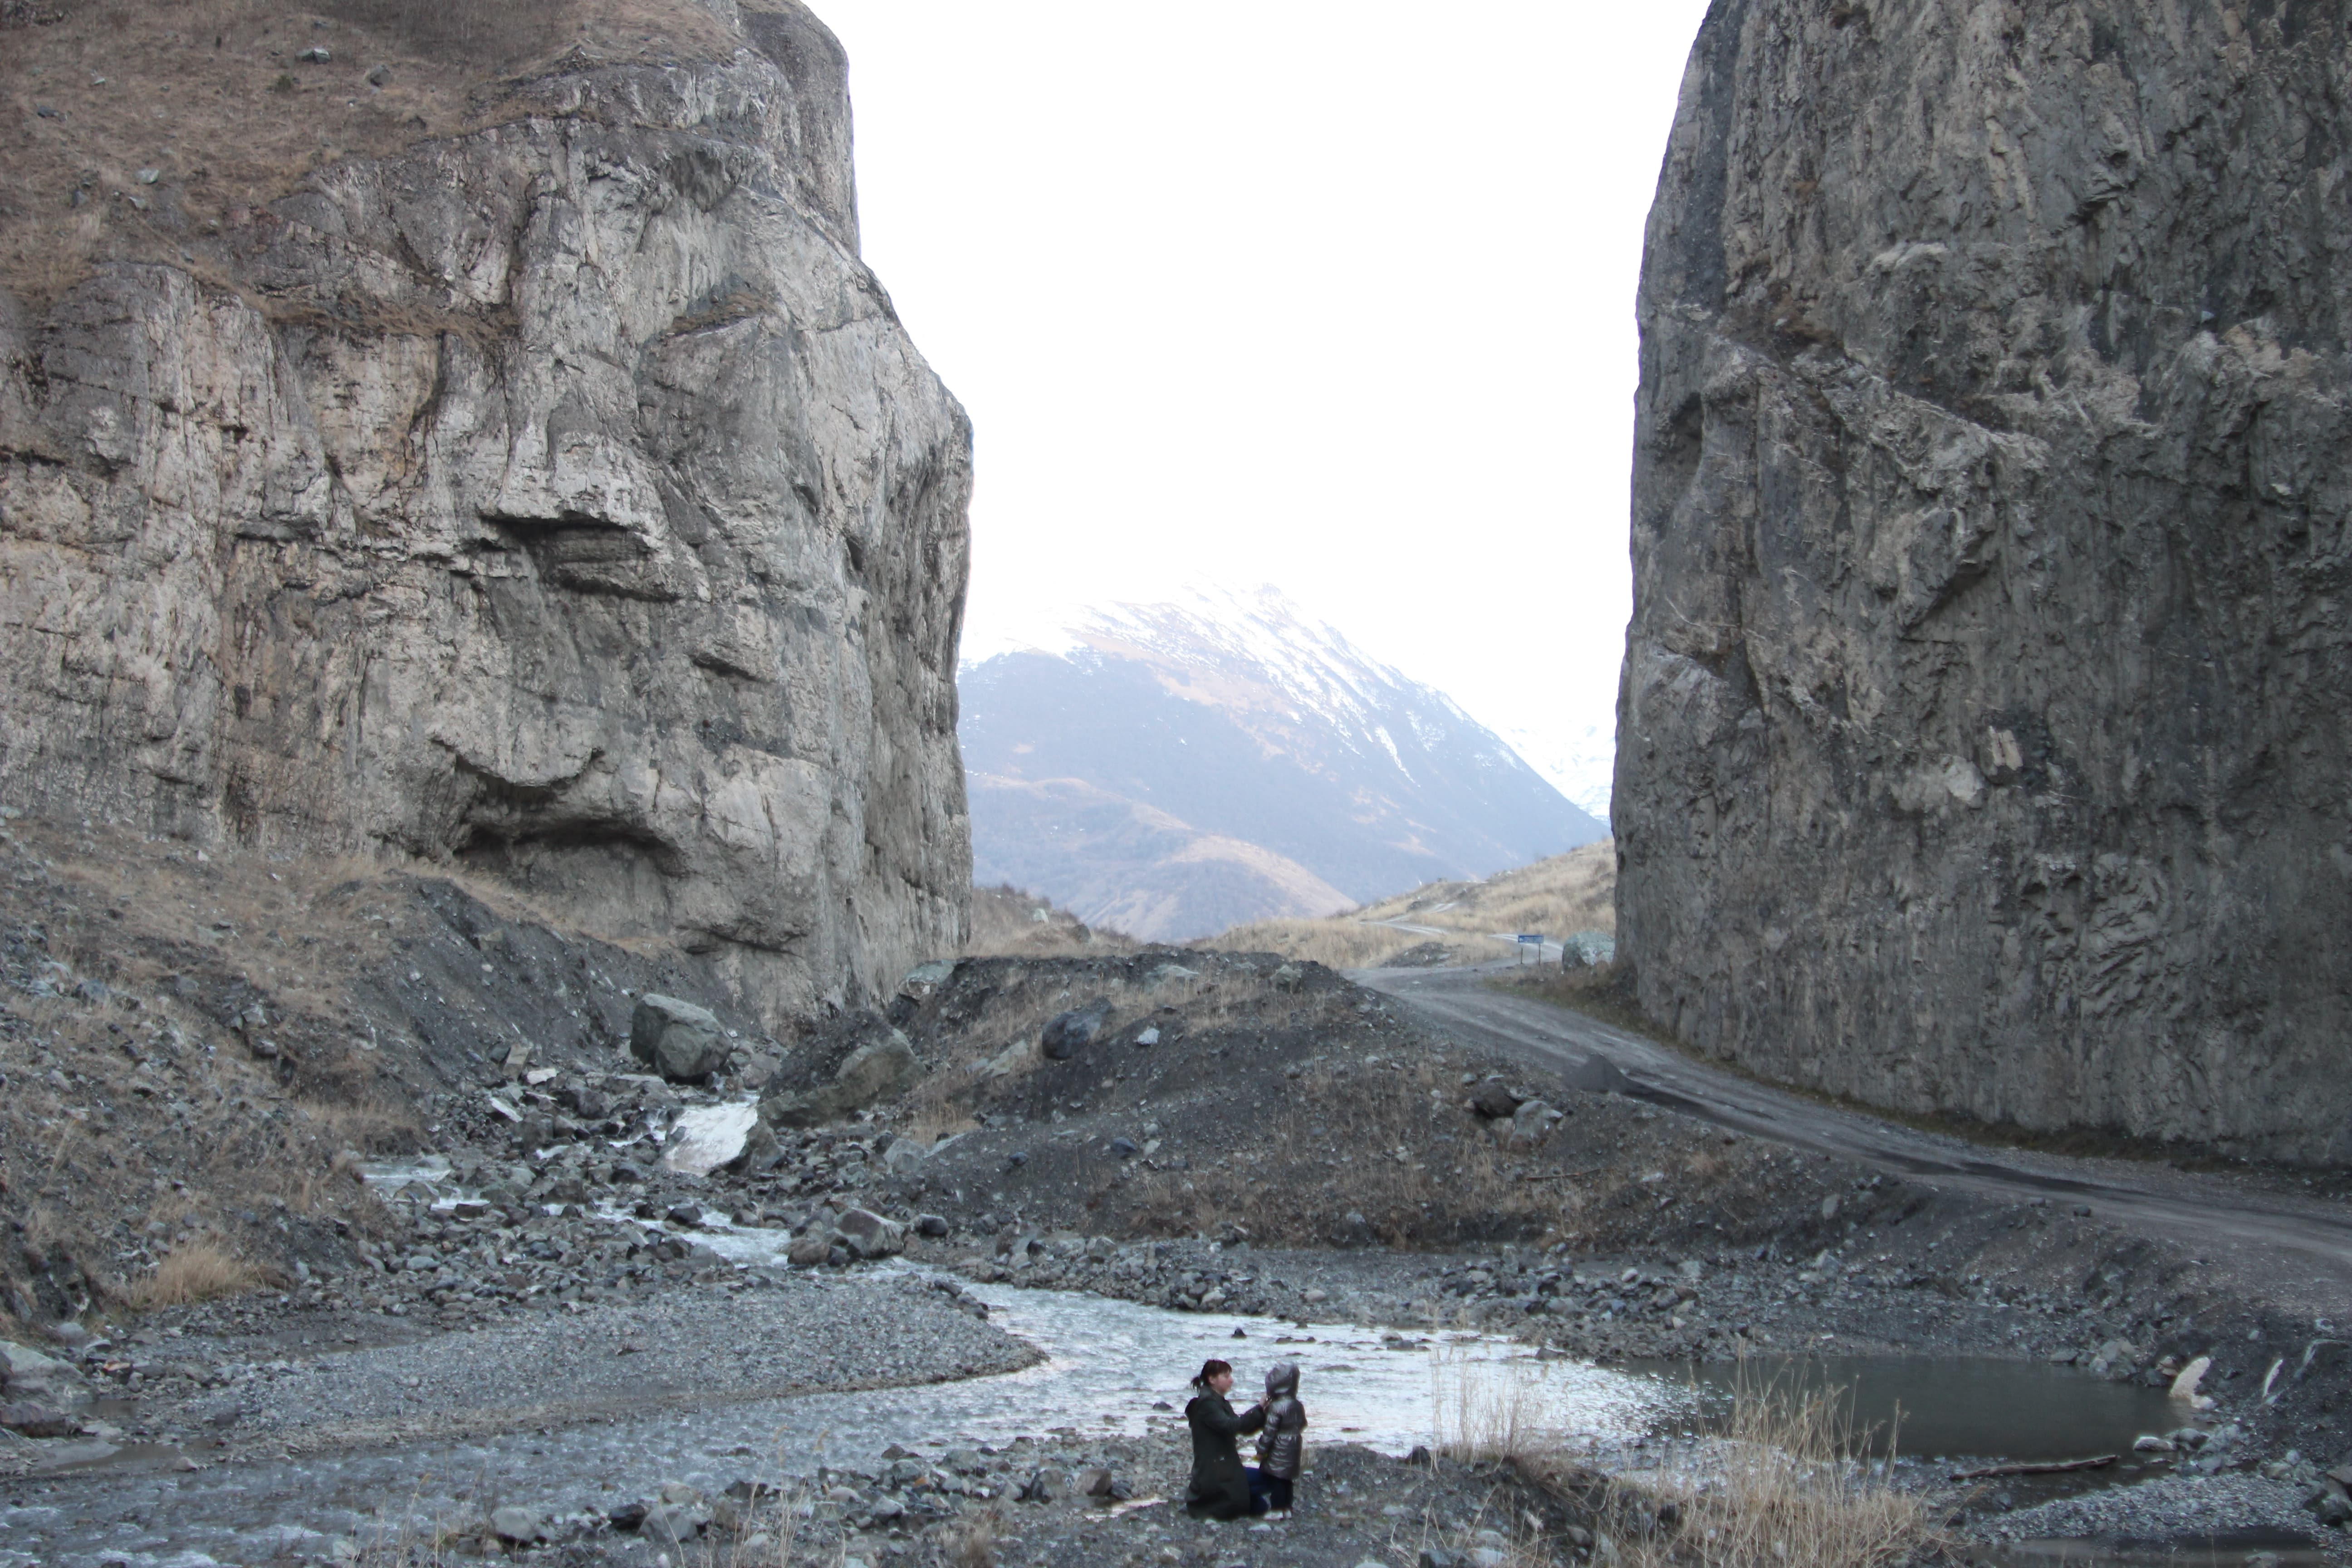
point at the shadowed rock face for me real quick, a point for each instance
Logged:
(1983, 727)
(564, 500)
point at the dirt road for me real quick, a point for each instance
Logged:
(2297, 1249)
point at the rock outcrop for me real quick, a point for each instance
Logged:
(563, 499)
(1983, 728)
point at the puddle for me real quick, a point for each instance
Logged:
(1951, 1407)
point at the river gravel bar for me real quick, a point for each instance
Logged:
(2173, 1509)
(776, 1336)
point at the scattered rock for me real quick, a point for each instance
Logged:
(518, 1526)
(1494, 1099)
(679, 1040)
(30, 1420)
(1067, 1033)
(877, 1070)
(868, 1234)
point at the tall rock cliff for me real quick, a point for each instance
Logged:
(560, 497)
(1983, 732)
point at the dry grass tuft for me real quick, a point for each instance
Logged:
(970, 1542)
(199, 1270)
(1494, 1410)
(1783, 1486)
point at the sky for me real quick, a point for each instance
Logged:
(1335, 297)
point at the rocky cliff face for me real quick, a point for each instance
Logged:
(1983, 728)
(562, 498)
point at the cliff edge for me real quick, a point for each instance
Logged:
(1982, 724)
(528, 474)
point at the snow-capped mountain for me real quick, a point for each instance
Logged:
(1175, 769)
(1582, 763)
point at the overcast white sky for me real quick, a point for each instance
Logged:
(1333, 295)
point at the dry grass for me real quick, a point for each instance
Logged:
(1342, 942)
(1787, 1482)
(1572, 892)
(1007, 922)
(211, 95)
(199, 1270)
(1486, 1409)
(1790, 1481)
(970, 1542)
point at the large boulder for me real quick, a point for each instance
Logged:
(679, 1040)
(28, 1377)
(868, 1234)
(880, 1069)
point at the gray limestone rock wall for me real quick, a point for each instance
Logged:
(563, 500)
(1983, 728)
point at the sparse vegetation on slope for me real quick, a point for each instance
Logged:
(1007, 922)
(193, 1044)
(1566, 893)
(141, 127)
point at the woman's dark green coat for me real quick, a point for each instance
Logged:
(1220, 1488)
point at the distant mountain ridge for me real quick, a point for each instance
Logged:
(1173, 769)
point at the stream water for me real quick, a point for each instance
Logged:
(1109, 1368)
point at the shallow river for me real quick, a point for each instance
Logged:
(1107, 1365)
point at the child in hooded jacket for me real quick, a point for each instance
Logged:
(1282, 1445)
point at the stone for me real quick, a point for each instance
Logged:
(761, 1151)
(932, 1225)
(27, 1376)
(903, 1156)
(2330, 1502)
(809, 1251)
(706, 1137)
(378, 75)
(1494, 1099)
(880, 1069)
(1583, 949)
(1532, 1121)
(518, 1526)
(628, 523)
(1983, 370)
(1125, 1148)
(680, 1041)
(1018, 1057)
(1093, 1483)
(926, 977)
(30, 1420)
(868, 1234)
(675, 1524)
(1067, 1033)
(687, 1215)
(1147, 1036)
